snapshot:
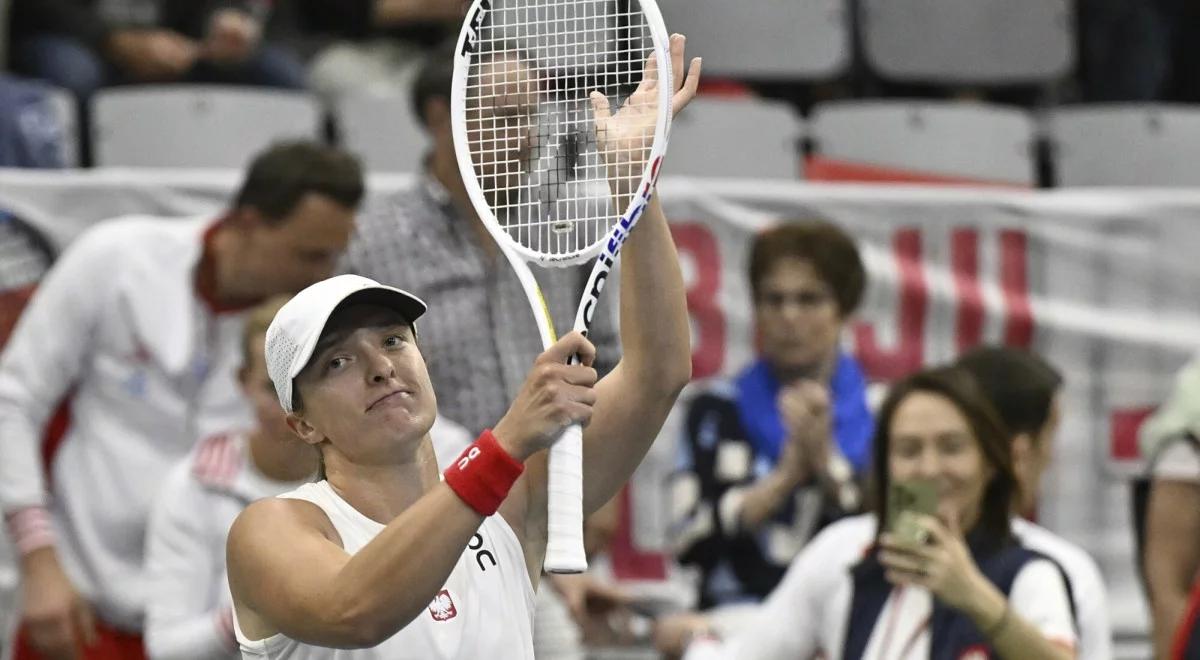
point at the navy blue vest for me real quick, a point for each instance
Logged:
(952, 632)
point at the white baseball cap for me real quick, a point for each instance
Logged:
(293, 333)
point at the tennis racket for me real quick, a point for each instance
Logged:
(560, 112)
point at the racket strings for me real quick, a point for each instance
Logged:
(530, 124)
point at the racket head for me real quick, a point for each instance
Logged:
(524, 127)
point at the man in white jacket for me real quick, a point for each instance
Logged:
(141, 321)
(189, 614)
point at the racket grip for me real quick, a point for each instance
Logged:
(564, 490)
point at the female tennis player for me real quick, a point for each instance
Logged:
(381, 555)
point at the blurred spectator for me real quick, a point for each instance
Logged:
(31, 132)
(478, 337)
(1140, 50)
(970, 590)
(378, 44)
(83, 45)
(1172, 533)
(189, 615)
(770, 457)
(188, 609)
(1025, 390)
(141, 318)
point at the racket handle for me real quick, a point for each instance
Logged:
(564, 489)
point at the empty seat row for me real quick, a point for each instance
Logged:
(746, 137)
(935, 41)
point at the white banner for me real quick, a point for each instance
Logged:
(1103, 283)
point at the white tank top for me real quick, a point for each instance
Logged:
(484, 610)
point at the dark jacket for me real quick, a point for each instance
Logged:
(82, 20)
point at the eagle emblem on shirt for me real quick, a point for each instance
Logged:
(442, 608)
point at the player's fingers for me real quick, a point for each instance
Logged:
(678, 43)
(690, 86)
(582, 394)
(899, 561)
(579, 374)
(55, 640)
(575, 344)
(650, 71)
(85, 623)
(600, 107)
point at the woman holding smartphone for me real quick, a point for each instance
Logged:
(966, 590)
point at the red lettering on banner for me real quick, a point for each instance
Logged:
(697, 242)
(1123, 426)
(964, 263)
(913, 303)
(1014, 284)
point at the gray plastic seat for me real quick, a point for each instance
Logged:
(952, 139)
(196, 125)
(383, 131)
(792, 39)
(1134, 144)
(969, 41)
(735, 137)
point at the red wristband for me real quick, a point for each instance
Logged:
(483, 474)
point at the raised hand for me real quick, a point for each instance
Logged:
(943, 566)
(804, 408)
(624, 138)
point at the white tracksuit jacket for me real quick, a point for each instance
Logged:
(152, 369)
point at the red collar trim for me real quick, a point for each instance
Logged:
(206, 274)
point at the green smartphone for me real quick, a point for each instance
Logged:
(907, 500)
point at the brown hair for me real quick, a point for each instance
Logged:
(960, 388)
(1020, 384)
(279, 177)
(830, 250)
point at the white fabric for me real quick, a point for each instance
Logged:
(297, 326)
(1087, 587)
(185, 548)
(486, 608)
(185, 544)
(118, 320)
(1178, 413)
(556, 636)
(807, 613)
(1178, 460)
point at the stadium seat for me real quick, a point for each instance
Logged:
(735, 137)
(1125, 145)
(765, 39)
(195, 125)
(383, 131)
(989, 42)
(969, 142)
